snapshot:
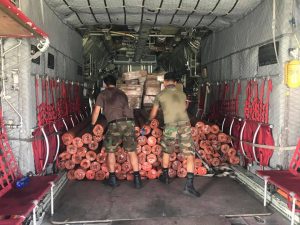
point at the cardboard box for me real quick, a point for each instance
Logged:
(134, 75)
(134, 102)
(135, 81)
(152, 87)
(148, 100)
(152, 90)
(131, 89)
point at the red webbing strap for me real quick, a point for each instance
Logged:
(266, 105)
(247, 109)
(220, 96)
(70, 97)
(38, 150)
(54, 95)
(212, 115)
(224, 97)
(52, 90)
(265, 137)
(65, 97)
(48, 111)
(261, 101)
(42, 109)
(46, 90)
(232, 99)
(227, 97)
(78, 99)
(43, 103)
(218, 99)
(212, 106)
(51, 102)
(59, 100)
(39, 109)
(255, 103)
(62, 102)
(238, 92)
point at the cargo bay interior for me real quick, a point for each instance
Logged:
(238, 63)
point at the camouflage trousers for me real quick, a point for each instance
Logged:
(120, 132)
(180, 132)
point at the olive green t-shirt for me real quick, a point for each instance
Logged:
(173, 104)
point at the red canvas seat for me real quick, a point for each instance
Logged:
(20, 201)
(287, 180)
(17, 221)
(283, 179)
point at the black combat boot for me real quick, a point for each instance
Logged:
(164, 177)
(112, 180)
(189, 186)
(137, 180)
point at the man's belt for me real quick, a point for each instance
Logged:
(179, 123)
(121, 119)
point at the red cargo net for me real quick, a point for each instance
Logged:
(45, 103)
(225, 100)
(58, 109)
(9, 170)
(257, 102)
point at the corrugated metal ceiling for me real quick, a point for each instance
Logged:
(211, 14)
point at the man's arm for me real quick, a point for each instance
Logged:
(187, 103)
(95, 114)
(153, 112)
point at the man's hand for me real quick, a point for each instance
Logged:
(90, 128)
(153, 112)
(143, 130)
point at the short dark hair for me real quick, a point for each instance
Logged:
(170, 76)
(110, 80)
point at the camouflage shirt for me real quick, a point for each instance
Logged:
(173, 104)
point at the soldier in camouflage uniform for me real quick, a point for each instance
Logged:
(177, 127)
(114, 103)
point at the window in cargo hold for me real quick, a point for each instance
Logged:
(50, 61)
(79, 70)
(266, 54)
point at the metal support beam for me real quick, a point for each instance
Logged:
(142, 43)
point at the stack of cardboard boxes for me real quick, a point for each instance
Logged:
(152, 88)
(138, 86)
(132, 83)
